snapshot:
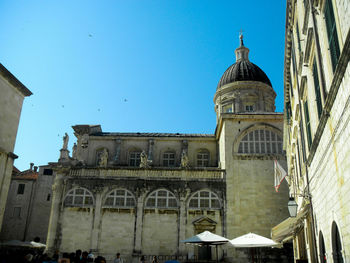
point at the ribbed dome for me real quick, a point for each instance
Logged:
(243, 70)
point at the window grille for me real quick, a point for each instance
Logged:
(134, 159)
(78, 197)
(120, 198)
(261, 142)
(161, 199)
(169, 159)
(204, 200)
(203, 159)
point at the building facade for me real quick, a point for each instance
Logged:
(28, 205)
(12, 95)
(142, 193)
(317, 96)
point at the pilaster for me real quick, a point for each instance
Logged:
(138, 225)
(53, 230)
(96, 225)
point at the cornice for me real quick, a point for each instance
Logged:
(14, 81)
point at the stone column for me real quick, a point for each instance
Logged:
(96, 223)
(117, 151)
(138, 228)
(182, 226)
(150, 151)
(237, 105)
(53, 230)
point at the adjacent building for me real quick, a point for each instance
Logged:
(28, 204)
(12, 95)
(142, 193)
(316, 126)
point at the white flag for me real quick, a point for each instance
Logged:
(280, 174)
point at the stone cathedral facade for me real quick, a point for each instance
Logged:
(142, 193)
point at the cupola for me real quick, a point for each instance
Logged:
(244, 87)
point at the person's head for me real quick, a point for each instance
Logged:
(29, 257)
(85, 254)
(78, 253)
(118, 255)
(142, 258)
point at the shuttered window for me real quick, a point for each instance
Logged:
(317, 89)
(307, 124)
(332, 33)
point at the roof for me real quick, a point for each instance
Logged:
(14, 81)
(154, 134)
(25, 175)
(243, 70)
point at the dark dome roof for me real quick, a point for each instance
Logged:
(243, 70)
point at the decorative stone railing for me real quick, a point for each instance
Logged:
(149, 173)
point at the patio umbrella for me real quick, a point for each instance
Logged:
(25, 244)
(251, 241)
(208, 239)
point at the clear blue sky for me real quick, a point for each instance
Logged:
(131, 66)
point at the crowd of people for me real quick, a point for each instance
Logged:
(37, 256)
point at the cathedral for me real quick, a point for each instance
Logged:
(143, 193)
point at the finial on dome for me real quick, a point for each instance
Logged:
(241, 51)
(241, 38)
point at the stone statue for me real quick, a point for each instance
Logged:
(104, 158)
(184, 159)
(74, 151)
(84, 140)
(65, 141)
(144, 162)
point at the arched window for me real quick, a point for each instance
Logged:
(120, 198)
(135, 158)
(323, 258)
(79, 197)
(336, 245)
(161, 199)
(204, 199)
(169, 159)
(203, 158)
(261, 141)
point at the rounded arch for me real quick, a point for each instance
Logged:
(119, 197)
(322, 248)
(204, 199)
(202, 157)
(259, 138)
(161, 198)
(336, 244)
(80, 197)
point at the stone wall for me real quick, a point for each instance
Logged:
(11, 100)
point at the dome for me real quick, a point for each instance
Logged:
(243, 70)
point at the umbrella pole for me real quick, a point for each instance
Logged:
(217, 260)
